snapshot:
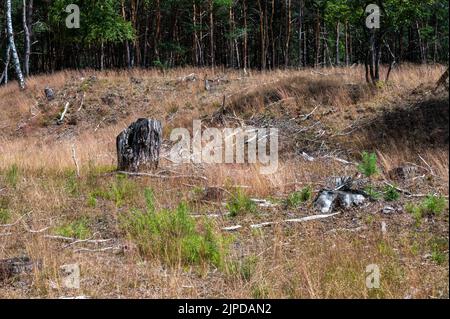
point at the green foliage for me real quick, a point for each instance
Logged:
(173, 236)
(368, 165)
(432, 205)
(391, 194)
(72, 184)
(121, 190)
(372, 193)
(260, 291)
(296, 198)
(12, 176)
(92, 200)
(240, 204)
(101, 21)
(78, 229)
(416, 213)
(439, 247)
(248, 267)
(5, 216)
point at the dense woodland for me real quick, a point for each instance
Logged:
(249, 34)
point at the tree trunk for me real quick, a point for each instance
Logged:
(244, 4)
(211, 34)
(12, 45)
(338, 62)
(4, 77)
(27, 25)
(347, 55)
(138, 146)
(288, 33)
(300, 31)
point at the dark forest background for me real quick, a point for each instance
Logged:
(258, 34)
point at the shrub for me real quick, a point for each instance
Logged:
(372, 192)
(296, 198)
(240, 203)
(439, 247)
(77, 229)
(121, 189)
(368, 166)
(391, 194)
(173, 236)
(415, 211)
(433, 205)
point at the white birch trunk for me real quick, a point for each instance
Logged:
(12, 45)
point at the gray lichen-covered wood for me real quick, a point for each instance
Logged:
(15, 266)
(138, 146)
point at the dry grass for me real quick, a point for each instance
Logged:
(315, 260)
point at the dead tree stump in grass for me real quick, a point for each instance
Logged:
(139, 145)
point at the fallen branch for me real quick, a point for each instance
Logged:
(63, 115)
(309, 218)
(428, 165)
(16, 222)
(162, 176)
(82, 102)
(89, 241)
(295, 220)
(232, 228)
(339, 160)
(408, 193)
(96, 250)
(60, 237)
(36, 231)
(5, 234)
(191, 78)
(307, 116)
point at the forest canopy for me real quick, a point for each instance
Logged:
(259, 34)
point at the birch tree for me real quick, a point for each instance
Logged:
(12, 45)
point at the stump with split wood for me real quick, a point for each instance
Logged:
(139, 145)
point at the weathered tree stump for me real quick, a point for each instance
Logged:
(139, 145)
(15, 266)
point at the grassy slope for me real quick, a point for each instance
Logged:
(309, 260)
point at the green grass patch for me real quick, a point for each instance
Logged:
(5, 216)
(432, 205)
(173, 235)
(296, 198)
(240, 204)
(12, 176)
(78, 229)
(120, 191)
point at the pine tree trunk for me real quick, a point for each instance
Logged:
(244, 4)
(211, 34)
(27, 15)
(338, 62)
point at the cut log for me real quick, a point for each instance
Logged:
(138, 146)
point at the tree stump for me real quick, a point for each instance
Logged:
(15, 266)
(139, 145)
